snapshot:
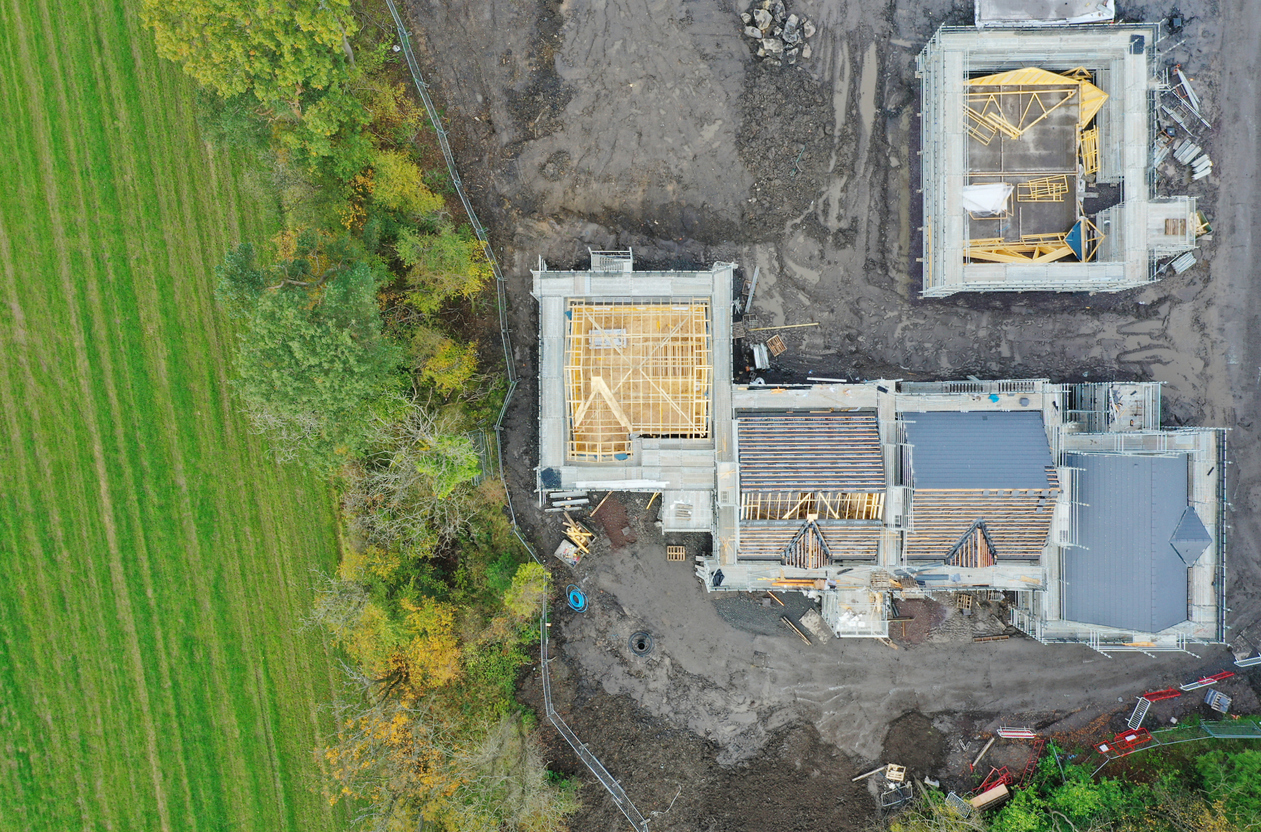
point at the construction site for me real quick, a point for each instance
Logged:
(1038, 161)
(828, 507)
(1105, 528)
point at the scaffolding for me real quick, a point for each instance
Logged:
(636, 369)
(1105, 407)
(1011, 106)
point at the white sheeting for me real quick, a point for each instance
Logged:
(1043, 12)
(990, 198)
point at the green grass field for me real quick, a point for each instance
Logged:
(154, 564)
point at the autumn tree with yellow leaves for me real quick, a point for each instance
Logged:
(274, 51)
(423, 733)
(356, 357)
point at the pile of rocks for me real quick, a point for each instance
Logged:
(781, 37)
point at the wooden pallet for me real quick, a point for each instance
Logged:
(676, 553)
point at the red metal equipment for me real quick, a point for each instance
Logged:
(1157, 695)
(997, 775)
(1039, 745)
(1205, 681)
(1125, 742)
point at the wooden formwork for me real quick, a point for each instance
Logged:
(808, 549)
(636, 369)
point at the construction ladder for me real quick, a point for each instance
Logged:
(1090, 151)
(1031, 766)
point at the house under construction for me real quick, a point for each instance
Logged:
(1105, 528)
(1037, 156)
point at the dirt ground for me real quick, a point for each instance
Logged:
(647, 124)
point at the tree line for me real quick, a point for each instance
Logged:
(1184, 788)
(353, 358)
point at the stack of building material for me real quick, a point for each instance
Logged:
(814, 624)
(1186, 150)
(1183, 262)
(579, 534)
(565, 500)
(990, 796)
(1191, 154)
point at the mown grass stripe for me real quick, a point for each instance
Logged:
(153, 525)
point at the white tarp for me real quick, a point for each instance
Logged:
(1043, 12)
(990, 198)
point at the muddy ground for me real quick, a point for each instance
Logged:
(647, 124)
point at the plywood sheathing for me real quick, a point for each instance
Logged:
(636, 369)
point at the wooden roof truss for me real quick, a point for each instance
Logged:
(808, 549)
(798, 505)
(975, 548)
(639, 368)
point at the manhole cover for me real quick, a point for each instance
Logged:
(641, 644)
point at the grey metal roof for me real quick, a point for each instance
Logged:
(1190, 539)
(995, 449)
(1127, 574)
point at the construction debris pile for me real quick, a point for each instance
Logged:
(780, 37)
(1180, 103)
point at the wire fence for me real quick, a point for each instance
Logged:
(589, 759)
(1244, 729)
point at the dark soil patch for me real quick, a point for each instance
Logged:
(925, 614)
(616, 522)
(760, 613)
(783, 142)
(912, 741)
(537, 108)
(797, 784)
